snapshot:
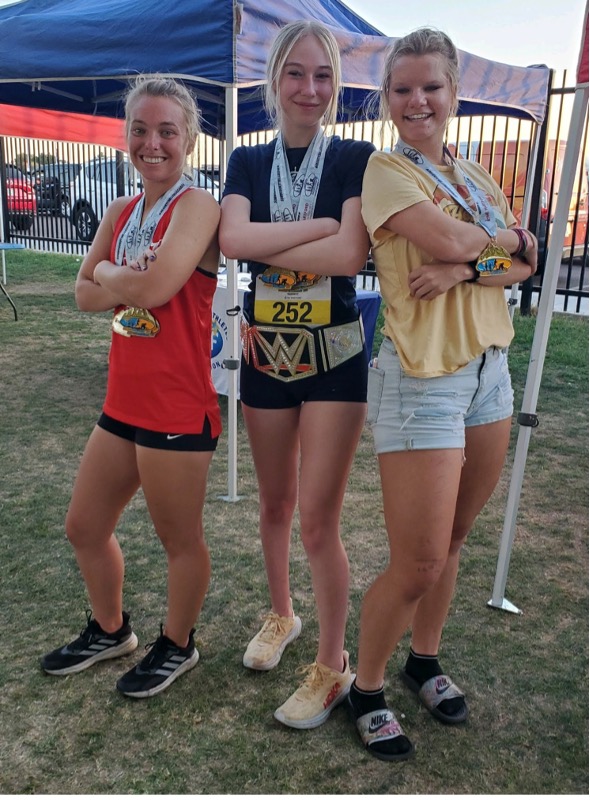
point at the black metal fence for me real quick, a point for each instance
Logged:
(54, 194)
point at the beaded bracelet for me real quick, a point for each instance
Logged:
(523, 242)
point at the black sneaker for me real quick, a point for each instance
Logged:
(165, 662)
(91, 646)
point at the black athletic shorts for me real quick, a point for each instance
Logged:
(346, 383)
(195, 442)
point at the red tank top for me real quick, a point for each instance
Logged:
(164, 383)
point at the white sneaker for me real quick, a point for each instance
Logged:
(266, 648)
(321, 691)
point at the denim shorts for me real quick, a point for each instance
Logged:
(407, 413)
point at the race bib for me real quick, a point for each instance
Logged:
(289, 297)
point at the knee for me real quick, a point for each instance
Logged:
(278, 511)
(320, 536)
(183, 544)
(419, 578)
(76, 530)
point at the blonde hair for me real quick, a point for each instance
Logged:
(284, 42)
(421, 42)
(157, 86)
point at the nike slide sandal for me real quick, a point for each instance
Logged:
(432, 693)
(380, 726)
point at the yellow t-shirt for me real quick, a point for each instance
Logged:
(432, 337)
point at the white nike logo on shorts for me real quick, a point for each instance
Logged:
(174, 435)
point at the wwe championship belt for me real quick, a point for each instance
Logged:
(291, 354)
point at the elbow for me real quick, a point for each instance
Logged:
(82, 299)
(353, 262)
(454, 248)
(228, 244)
(455, 251)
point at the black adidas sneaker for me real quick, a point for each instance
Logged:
(91, 646)
(163, 664)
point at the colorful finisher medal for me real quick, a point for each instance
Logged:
(493, 260)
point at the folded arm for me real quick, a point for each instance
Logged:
(443, 237)
(430, 280)
(190, 238)
(257, 241)
(343, 253)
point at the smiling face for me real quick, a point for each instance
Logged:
(420, 100)
(157, 139)
(305, 90)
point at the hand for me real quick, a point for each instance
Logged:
(431, 280)
(148, 256)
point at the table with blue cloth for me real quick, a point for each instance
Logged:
(368, 302)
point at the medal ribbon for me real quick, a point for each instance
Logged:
(135, 238)
(483, 216)
(292, 200)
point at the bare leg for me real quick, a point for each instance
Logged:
(329, 438)
(419, 494)
(485, 452)
(174, 485)
(107, 479)
(274, 441)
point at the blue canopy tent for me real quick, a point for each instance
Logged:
(75, 56)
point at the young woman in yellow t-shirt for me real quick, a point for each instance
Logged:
(440, 399)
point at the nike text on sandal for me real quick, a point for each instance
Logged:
(380, 726)
(91, 646)
(432, 693)
(164, 663)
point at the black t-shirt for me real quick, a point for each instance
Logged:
(248, 174)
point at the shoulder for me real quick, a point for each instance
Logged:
(249, 154)
(195, 199)
(120, 209)
(119, 204)
(390, 164)
(356, 149)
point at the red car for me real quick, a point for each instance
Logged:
(21, 199)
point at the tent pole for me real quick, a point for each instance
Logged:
(527, 418)
(233, 362)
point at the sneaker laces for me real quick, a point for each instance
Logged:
(315, 675)
(156, 647)
(272, 628)
(92, 628)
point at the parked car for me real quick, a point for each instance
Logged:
(95, 187)
(52, 187)
(21, 200)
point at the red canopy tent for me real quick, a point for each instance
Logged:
(35, 123)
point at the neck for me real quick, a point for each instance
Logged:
(298, 137)
(153, 191)
(433, 151)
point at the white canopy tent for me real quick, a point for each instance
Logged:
(527, 418)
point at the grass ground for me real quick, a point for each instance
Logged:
(213, 732)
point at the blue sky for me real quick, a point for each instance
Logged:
(518, 32)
